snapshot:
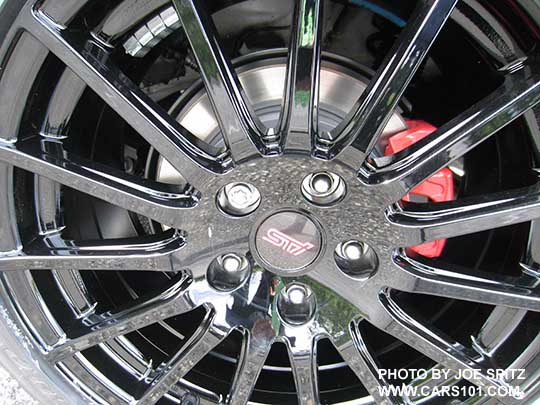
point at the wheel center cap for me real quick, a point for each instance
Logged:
(287, 242)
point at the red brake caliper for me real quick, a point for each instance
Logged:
(438, 188)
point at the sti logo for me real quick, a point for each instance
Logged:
(286, 243)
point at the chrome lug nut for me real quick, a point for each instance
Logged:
(296, 304)
(238, 199)
(228, 272)
(189, 399)
(357, 259)
(323, 188)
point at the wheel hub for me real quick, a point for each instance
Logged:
(288, 242)
(288, 216)
(288, 213)
(286, 193)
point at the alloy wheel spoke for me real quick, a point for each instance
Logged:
(444, 280)
(358, 357)
(365, 123)
(240, 126)
(503, 321)
(60, 110)
(206, 338)
(519, 93)
(164, 205)
(303, 358)
(434, 345)
(99, 328)
(51, 253)
(301, 94)
(252, 358)
(91, 62)
(465, 216)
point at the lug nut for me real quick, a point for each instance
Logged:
(238, 199)
(323, 188)
(355, 258)
(189, 399)
(296, 304)
(321, 183)
(228, 272)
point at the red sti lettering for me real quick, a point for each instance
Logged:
(287, 243)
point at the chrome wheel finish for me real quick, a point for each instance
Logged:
(324, 168)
